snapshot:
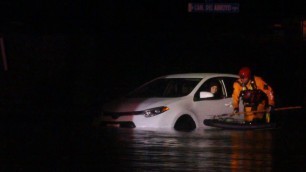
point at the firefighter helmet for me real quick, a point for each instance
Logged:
(245, 72)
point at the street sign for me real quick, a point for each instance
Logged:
(214, 7)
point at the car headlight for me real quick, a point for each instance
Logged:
(155, 111)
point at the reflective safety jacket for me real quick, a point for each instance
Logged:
(257, 83)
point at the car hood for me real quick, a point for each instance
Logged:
(137, 104)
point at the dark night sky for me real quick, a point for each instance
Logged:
(85, 47)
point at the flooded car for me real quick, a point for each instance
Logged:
(177, 101)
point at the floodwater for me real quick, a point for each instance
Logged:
(200, 150)
(77, 147)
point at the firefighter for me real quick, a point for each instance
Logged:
(255, 94)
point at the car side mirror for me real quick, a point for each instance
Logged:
(205, 94)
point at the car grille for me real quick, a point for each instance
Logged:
(116, 115)
(118, 124)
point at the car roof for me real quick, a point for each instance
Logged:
(199, 75)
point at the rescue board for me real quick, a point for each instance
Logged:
(236, 125)
(227, 121)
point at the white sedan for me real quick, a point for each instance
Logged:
(179, 101)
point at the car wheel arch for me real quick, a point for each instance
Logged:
(185, 122)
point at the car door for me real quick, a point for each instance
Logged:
(220, 104)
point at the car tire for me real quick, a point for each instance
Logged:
(185, 123)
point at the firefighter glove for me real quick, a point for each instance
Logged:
(270, 108)
(236, 110)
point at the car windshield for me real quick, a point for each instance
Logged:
(166, 87)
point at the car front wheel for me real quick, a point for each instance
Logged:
(185, 123)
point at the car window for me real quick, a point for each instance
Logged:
(166, 87)
(228, 82)
(206, 86)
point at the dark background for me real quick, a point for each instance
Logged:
(67, 58)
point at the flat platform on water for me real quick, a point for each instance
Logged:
(235, 125)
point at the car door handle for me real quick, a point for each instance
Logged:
(229, 104)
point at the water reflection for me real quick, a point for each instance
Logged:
(212, 149)
(251, 149)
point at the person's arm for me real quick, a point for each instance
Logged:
(235, 95)
(267, 89)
